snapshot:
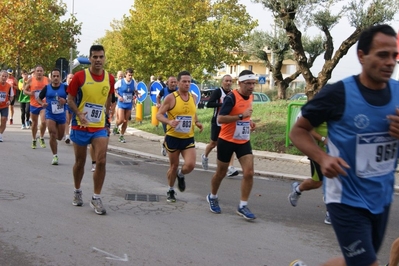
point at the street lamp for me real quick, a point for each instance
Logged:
(71, 49)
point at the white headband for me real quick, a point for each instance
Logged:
(246, 77)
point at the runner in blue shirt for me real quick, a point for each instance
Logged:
(125, 89)
(362, 116)
(55, 94)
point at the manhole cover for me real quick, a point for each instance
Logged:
(127, 162)
(142, 197)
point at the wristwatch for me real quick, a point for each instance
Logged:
(323, 139)
(240, 116)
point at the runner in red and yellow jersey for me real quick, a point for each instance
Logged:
(6, 97)
(235, 117)
(89, 98)
(32, 88)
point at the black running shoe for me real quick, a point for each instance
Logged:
(171, 196)
(180, 181)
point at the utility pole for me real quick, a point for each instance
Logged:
(71, 49)
(272, 59)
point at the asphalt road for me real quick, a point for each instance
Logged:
(39, 225)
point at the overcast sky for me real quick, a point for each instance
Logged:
(96, 20)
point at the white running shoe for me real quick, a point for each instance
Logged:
(297, 263)
(293, 197)
(232, 171)
(204, 162)
(327, 219)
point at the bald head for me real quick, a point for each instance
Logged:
(69, 78)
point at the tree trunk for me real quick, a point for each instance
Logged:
(281, 89)
(311, 88)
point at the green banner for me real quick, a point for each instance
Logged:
(294, 112)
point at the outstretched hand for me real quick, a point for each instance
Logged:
(333, 166)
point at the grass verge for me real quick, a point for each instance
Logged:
(269, 135)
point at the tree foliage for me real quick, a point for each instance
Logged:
(34, 33)
(165, 37)
(293, 14)
(116, 53)
(278, 43)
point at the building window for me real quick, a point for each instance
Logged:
(250, 67)
(231, 69)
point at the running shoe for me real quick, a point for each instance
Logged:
(42, 143)
(297, 263)
(97, 205)
(93, 167)
(23, 126)
(67, 140)
(11, 121)
(1, 138)
(213, 204)
(33, 144)
(115, 130)
(171, 196)
(77, 198)
(181, 184)
(294, 195)
(246, 213)
(122, 139)
(327, 219)
(204, 162)
(163, 151)
(55, 160)
(231, 171)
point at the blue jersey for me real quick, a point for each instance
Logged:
(361, 138)
(55, 110)
(126, 91)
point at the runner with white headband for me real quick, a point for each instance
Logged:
(235, 117)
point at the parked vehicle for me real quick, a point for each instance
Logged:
(205, 95)
(260, 97)
(299, 97)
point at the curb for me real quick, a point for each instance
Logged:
(200, 145)
(260, 174)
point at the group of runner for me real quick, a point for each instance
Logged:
(361, 113)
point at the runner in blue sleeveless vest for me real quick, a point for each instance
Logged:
(362, 117)
(55, 94)
(125, 89)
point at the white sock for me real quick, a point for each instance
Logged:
(55, 155)
(243, 203)
(298, 190)
(78, 190)
(96, 196)
(179, 173)
(213, 196)
(171, 188)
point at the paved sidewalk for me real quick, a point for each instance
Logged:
(266, 164)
